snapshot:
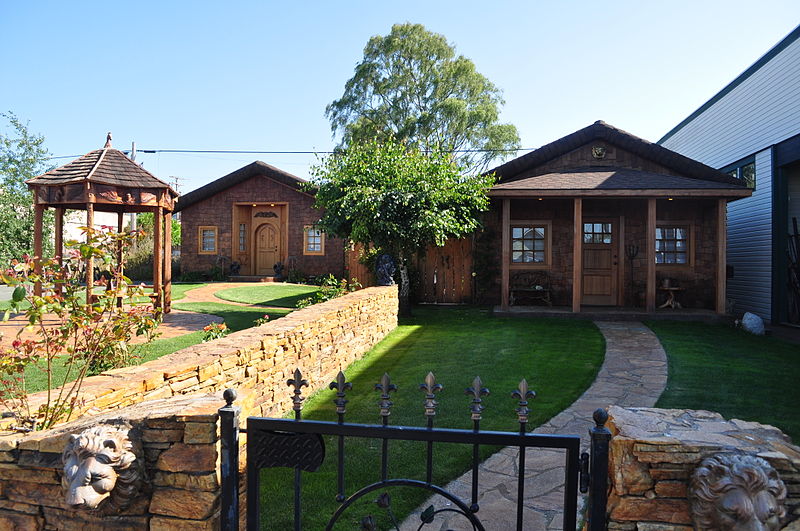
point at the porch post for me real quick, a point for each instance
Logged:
(38, 218)
(59, 242)
(722, 244)
(505, 254)
(577, 256)
(650, 255)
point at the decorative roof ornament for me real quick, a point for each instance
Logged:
(599, 152)
(108, 141)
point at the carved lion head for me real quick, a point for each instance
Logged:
(101, 470)
(734, 492)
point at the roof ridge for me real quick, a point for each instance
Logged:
(96, 164)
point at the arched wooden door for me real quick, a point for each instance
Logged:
(268, 248)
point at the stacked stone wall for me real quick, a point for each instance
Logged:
(655, 451)
(179, 434)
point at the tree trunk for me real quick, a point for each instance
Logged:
(404, 308)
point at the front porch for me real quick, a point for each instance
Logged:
(606, 313)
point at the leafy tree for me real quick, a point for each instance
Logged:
(400, 200)
(411, 86)
(22, 156)
(145, 222)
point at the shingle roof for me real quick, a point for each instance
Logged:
(242, 174)
(102, 166)
(685, 166)
(610, 179)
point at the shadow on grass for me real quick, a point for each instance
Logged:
(559, 358)
(281, 295)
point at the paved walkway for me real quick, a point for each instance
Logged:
(633, 374)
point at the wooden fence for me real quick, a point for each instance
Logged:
(443, 274)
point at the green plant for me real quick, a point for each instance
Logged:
(295, 276)
(214, 331)
(85, 335)
(330, 288)
(261, 320)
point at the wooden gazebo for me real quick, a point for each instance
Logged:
(106, 180)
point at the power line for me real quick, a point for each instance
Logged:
(254, 152)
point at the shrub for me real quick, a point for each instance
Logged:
(215, 331)
(329, 288)
(86, 336)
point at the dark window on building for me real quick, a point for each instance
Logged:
(672, 245)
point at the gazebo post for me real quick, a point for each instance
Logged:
(158, 259)
(90, 261)
(59, 241)
(167, 293)
(38, 216)
(120, 223)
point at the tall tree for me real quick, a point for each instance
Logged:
(22, 156)
(398, 199)
(412, 87)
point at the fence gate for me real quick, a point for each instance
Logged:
(300, 445)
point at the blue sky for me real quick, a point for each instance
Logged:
(258, 75)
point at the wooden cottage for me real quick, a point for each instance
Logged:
(604, 218)
(254, 218)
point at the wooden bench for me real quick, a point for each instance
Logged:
(532, 285)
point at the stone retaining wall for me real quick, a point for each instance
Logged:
(180, 434)
(655, 451)
(319, 340)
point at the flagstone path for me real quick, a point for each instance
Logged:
(633, 374)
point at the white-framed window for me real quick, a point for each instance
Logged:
(313, 240)
(207, 239)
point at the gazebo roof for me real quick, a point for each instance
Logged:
(102, 166)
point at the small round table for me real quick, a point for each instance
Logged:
(671, 302)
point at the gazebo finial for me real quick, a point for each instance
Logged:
(108, 141)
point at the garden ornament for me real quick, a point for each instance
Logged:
(736, 492)
(278, 269)
(384, 270)
(102, 471)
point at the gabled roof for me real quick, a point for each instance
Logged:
(253, 169)
(741, 78)
(103, 166)
(600, 130)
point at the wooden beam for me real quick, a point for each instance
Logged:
(167, 261)
(59, 242)
(89, 262)
(505, 259)
(649, 255)
(722, 245)
(38, 217)
(158, 257)
(577, 255)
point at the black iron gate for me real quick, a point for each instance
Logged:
(299, 444)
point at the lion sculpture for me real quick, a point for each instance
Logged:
(101, 470)
(736, 492)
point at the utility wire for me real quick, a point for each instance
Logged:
(248, 152)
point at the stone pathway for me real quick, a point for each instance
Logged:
(633, 374)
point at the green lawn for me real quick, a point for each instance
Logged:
(236, 317)
(558, 357)
(737, 374)
(281, 295)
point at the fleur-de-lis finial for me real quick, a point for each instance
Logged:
(385, 387)
(430, 387)
(341, 385)
(298, 383)
(523, 394)
(477, 391)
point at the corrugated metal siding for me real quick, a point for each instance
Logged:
(760, 112)
(750, 244)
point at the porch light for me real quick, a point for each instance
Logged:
(254, 204)
(540, 199)
(669, 199)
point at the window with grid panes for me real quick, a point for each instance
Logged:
(528, 244)
(242, 236)
(314, 240)
(597, 233)
(672, 245)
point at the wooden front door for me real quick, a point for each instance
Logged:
(268, 248)
(600, 261)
